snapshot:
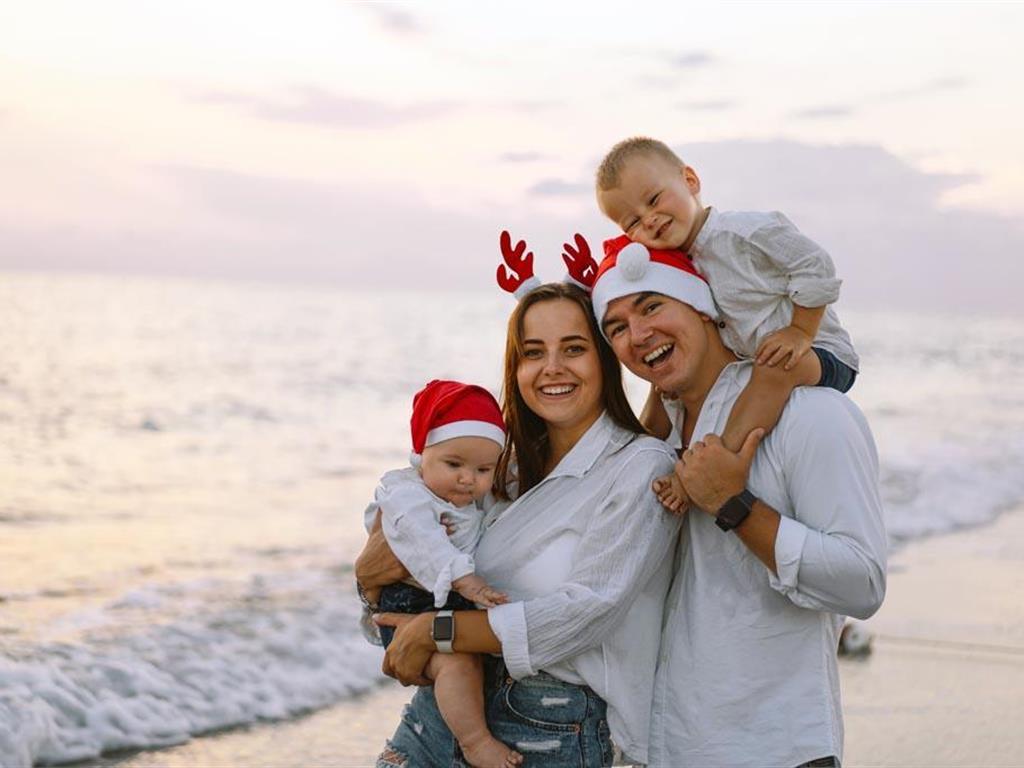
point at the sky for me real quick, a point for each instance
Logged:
(385, 145)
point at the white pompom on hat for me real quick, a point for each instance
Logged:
(444, 410)
(630, 267)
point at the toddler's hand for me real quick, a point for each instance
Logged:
(789, 342)
(473, 588)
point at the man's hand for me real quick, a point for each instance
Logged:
(473, 588)
(411, 647)
(712, 474)
(789, 342)
(377, 565)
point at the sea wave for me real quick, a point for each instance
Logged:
(123, 684)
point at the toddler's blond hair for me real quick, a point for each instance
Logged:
(610, 169)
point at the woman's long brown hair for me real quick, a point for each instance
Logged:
(527, 447)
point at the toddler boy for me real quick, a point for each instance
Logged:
(773, 286)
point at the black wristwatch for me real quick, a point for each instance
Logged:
(735, 510)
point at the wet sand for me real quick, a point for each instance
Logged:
(944, 685)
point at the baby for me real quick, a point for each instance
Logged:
(773, 286)
(457, 435)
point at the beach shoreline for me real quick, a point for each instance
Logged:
(941, 686)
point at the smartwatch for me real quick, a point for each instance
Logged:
(443, 631)
(735, 510)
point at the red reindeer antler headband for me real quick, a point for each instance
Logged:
(516, 276)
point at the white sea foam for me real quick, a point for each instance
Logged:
(257, 659)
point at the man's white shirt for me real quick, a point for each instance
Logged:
(747, 670)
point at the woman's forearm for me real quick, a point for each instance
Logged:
(473, 633)
(412, 645)
(377, 565)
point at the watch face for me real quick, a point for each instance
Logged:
(443, 628)
(735, 511)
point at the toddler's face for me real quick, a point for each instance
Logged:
(656, 203)
(460, 470)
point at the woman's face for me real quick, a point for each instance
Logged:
(559, 374)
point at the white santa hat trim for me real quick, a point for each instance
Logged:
(466, 428)
(635, 272)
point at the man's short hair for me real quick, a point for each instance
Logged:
(611, 167)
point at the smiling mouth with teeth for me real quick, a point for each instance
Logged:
(558, 389)
(658, 354)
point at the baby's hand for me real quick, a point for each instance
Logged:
(472, 587)
(789, 342)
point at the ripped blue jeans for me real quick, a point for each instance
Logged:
(551, 723)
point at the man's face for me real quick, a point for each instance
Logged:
(656, 202)
(658, 338)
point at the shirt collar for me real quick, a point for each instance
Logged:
(589, 448)
(705, 233)
(720, 397)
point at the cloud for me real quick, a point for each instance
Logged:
(522, 157)
(822, 112)
(316, 106)
(895, 245)
(691, 59)
(560, 188)
(393, 19)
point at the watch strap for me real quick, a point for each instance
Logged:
(443, 632)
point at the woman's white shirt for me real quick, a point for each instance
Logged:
(586, 556)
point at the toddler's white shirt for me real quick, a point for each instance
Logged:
(411, 522)
(759, 265)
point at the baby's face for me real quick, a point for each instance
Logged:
(460, 470)
(657, 203)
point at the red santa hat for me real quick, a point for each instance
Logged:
(444, 410)
(630, 267)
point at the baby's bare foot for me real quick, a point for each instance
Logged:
(488, 752)
(670, 492)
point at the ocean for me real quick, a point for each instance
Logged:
(184, 466)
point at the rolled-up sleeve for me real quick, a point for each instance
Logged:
(812, 280)
(622, 547)
(831, 554)
(420, 541)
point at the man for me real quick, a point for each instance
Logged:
(783, 538)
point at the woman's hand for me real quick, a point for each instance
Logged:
(377, 565)
(410, 649)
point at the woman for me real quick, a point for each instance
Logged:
(584, 550)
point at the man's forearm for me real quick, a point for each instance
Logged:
(758, 533)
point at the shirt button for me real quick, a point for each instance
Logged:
(721, 323)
